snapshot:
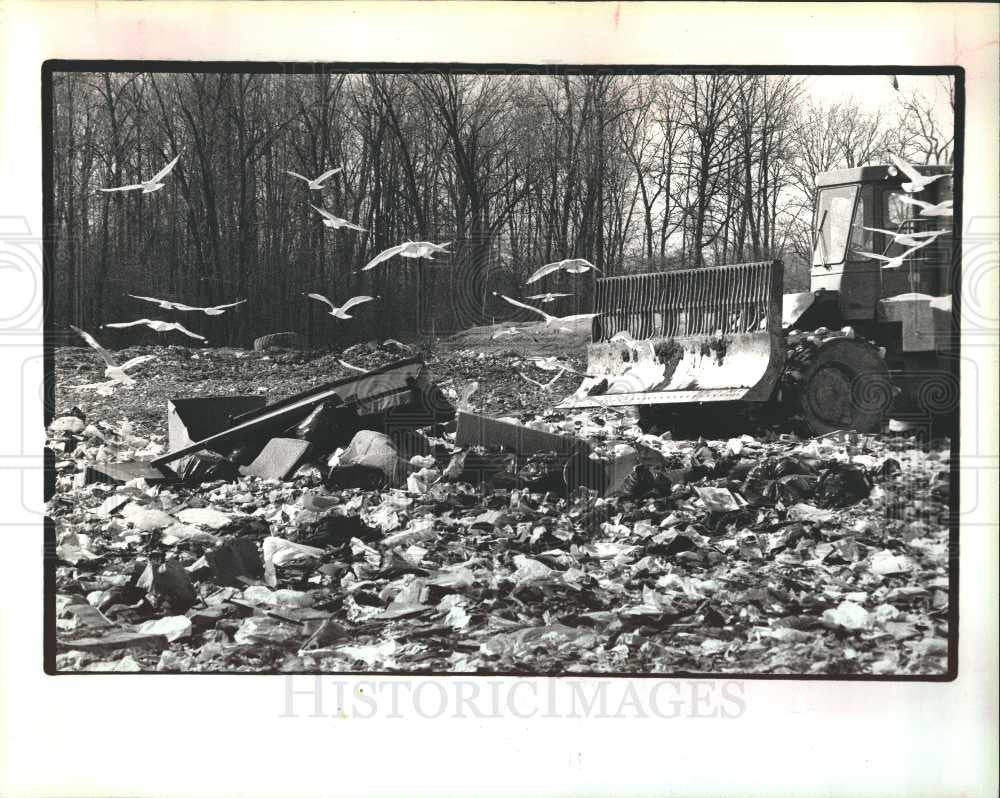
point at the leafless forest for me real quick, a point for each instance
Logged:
(634, 173)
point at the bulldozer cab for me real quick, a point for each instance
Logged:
(852, 205)
(717, 333)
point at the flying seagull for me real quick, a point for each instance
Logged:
(317, 184)
(151, 185)
(409, 249)
(158, 326)
(926, 208)
(465, 395)
(335, 222)
(341, 312)
(546, 298)
(889, 263)
(571, 265)
(347, 365)
(918, 182)
(510, 331)
(166, 304)
(549, 319)
(552, 364)
(546, 385)
(909, 239)
(114, 371)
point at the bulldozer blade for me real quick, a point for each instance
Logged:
(708, 335)
(743, 366)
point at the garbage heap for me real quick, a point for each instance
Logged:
(378, 523)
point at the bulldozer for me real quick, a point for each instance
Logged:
(872, 340)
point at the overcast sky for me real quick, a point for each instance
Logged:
(875, 91)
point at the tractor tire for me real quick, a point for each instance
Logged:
(839, 383)
(282, 340)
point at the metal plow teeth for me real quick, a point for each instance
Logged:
(708, 335)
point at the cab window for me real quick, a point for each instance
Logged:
(832, 227)
(898, 211)
(861, 238)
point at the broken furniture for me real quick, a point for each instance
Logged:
(399, 396)
(190, 420)
(278, 459)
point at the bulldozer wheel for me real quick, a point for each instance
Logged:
(845, 385)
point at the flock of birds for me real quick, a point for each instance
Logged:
(914, 240)
(117, 375)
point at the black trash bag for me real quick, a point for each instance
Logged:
(353, 476)
(250, 527)
(773, 478)
(333, 530)
(888, 469)
(791, 489)
(757, 480)
(168, 585)
(786, 466)
(841, 486)
(204, 466)
(543, 472)
(234, 559)
(646, 480)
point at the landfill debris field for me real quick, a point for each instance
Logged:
(396, 550)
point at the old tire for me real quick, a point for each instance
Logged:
(845, 385)
(282, 340)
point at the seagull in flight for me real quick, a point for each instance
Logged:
(317, 184)
(153, 184)
(510, 331)
(927, 209)
(552, 363)
(543, 385)
(158, 326)
(465, 395)
(115, 372)
(341, 312)
(889, 263)
(335, 222)
(347, 365)
(549, 319)
(918, 182)
(571, 265)
(408, 249)
(909, 239)
(166, 304)
(546, 298)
